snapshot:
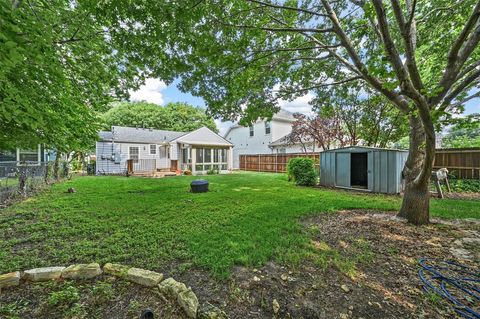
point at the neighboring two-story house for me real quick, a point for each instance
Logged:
(263, 137)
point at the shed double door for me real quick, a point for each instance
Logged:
(343, 169)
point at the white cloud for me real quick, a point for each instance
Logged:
(299, 105)
(151, 92)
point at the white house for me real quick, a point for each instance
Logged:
(157, 150)
(263, 137)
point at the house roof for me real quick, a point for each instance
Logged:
(285, 141)
(138, 135)
(202, 136)
(282, 115)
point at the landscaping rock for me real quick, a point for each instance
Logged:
(43, 274)
(188, 301)
(209, 311)
(10, 279)
(345, 288)
(184, 296)
(171, 288)
(82, 271)
(275, 306)
(116, 269)
(144, 277)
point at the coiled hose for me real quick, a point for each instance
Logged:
(458, 284)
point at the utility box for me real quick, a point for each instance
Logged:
(377, 170)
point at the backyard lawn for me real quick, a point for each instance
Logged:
(255, 245)
(246, 219)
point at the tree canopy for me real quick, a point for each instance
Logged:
(173, 116)
(60, 62)
(465, 132)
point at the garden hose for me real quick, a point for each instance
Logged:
(458, 284)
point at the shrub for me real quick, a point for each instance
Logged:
(302, 171)
(464, 185)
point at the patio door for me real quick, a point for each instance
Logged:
(133, 154)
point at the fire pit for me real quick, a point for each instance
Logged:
(199, 186)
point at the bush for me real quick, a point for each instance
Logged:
(302, 171)
(463, 185)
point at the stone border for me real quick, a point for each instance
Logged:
(174, 290)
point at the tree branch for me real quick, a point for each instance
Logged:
(395, 98)
(277, 6)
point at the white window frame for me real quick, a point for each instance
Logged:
(213, 161)
(251, 131)
(39, 157)
(130, 154)
(154, 149)
(268, 126)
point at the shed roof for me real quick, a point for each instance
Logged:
(364, 147)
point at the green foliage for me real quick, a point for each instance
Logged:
(302, 171)
(64, 297)
(464, 133)
(250, 217)
(173, 116)
(213, 172)
(464, 185)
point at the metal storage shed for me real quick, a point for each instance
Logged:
(371, 169)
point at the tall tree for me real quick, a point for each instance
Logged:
(365, 115)
(422, 56)
(173, 116)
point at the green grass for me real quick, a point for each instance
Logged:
(245, 219)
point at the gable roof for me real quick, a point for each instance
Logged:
(138, 135)
(202, 136)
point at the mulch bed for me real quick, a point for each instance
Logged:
(103, 297)
(385, 287)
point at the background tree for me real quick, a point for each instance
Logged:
(465, 132)
(422, 56)
(365, 115)
(322, 132)
(173, 116)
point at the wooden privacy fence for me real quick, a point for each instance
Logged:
(460, 162)
(273, 163)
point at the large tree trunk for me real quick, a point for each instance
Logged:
(415, 205)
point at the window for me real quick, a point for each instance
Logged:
(210, 158)
(199, 157)
(251, 130)
(281, 150)
(267, 127)
(208, 155)
(133, 153)
(153, 149)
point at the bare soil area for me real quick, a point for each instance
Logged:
(385, 283)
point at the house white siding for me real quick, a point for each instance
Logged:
(259, 143)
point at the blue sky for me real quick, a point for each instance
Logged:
(155, 91)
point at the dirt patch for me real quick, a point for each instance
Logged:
(105, 297)
(372, 272)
